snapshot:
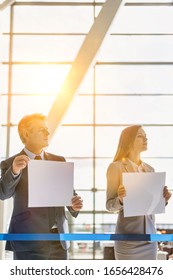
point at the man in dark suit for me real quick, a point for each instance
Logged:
(34, 134)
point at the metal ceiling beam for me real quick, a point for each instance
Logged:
(6, 3)
(82, 62)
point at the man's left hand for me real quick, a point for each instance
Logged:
(166, 194)
(77, 203)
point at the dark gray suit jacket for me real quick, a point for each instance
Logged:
(30, 220)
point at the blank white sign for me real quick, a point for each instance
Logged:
(50, 183)
(144, 193)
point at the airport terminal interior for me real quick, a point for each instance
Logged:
(93, 67)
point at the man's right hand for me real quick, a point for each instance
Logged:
(19, 163)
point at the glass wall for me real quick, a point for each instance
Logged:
(129, 83)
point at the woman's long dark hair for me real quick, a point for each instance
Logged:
(126, 141)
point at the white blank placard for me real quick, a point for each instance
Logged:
(50, 183)
(144, 193)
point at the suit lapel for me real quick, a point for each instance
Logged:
(46, 156)
(22, 153)
(146, 167)
(127, 165)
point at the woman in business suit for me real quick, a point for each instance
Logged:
(132, 142)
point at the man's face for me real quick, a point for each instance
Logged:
(37, 135)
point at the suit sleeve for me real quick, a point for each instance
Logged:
(8, 182)
(72, 212)
(113, 175)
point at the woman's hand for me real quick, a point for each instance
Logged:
(121, 193)
(166, 194)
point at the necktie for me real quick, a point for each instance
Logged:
(38, 157)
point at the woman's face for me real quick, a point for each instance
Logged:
(140, 143)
